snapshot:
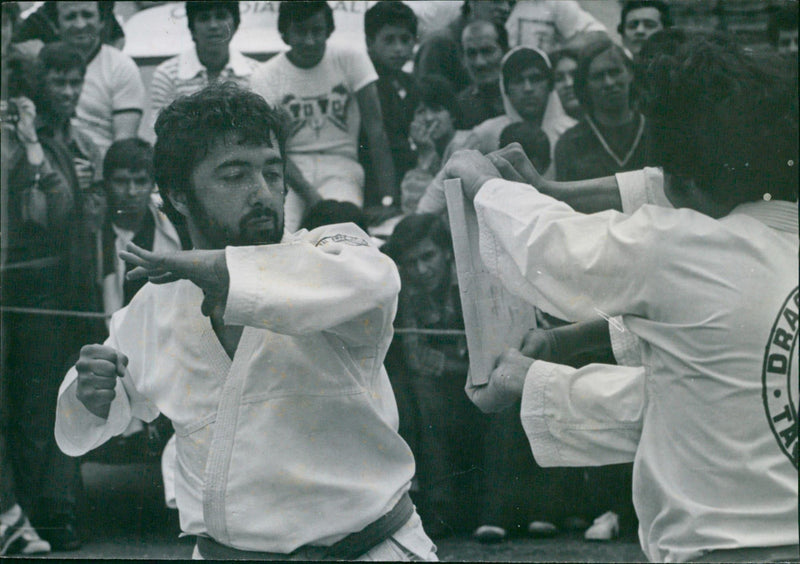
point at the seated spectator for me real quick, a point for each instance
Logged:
(22, 157)
(331, 212)
(112, 100)
(329, 93)
(484, 45)
(42, 25)
(212, 25)
(42, 269)
(526, 82)
(436, 135)
(432, 371)
(133, 215)
(565, 63)
(533, 141)
(60, 71)
(639, 20)
(610, 137)
(782, 29)
(390, 28)
(441, 54)
(547, 24)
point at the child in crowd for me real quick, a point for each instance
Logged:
(329, 94)
(391, 31)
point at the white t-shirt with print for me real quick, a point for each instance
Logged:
(320, 100)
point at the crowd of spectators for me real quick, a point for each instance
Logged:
(368, 144)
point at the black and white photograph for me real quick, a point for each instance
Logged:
(383, 280)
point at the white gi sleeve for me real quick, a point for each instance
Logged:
(640, 187)
(572, 265)
(330, 279)
(590, 416)
(78, 430)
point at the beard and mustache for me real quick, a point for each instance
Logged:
(261, 226)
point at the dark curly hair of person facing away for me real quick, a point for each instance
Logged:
(188, 128)
(722, 117)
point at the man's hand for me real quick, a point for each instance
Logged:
(541, 344)
(512, 162)
(472, 168)
(98, 368)
(505, 384)
(207, 270)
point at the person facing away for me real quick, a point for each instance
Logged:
(113, 95)
(329, 93)
(390, 29)
(483, 45)
(211, 59)
(256, 342)
(611, 136)
(701, 340)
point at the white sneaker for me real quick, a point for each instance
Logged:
(605, 527)
(31, 542)
(489, 534)
(542, 529)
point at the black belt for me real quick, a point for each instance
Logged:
(349, 548)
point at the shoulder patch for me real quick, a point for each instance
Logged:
(342, 238)
(780, 377)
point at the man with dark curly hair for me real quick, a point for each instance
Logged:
(264, 349)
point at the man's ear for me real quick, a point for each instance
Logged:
(178, 201)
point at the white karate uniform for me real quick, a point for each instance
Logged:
(709, 415)
(293, 441)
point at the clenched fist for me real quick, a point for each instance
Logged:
(98, 369)
(505, 383)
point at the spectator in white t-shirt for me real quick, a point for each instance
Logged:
(112, 100)
(327, 93)
(546, 24)
(212, 25)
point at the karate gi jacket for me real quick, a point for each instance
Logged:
(707, 412)
(292, 442)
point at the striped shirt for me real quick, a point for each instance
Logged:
(184, 74)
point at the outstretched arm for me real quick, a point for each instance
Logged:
(586, 196)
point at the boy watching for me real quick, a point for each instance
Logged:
(391, 31)
(133, 215)
(328, 94)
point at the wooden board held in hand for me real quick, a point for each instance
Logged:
(494, 318)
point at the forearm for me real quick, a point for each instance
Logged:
(584, 343)
(299, 184)
(586, 196)
(312, 284)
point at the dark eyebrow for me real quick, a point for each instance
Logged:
(270, 161)
(229, 164)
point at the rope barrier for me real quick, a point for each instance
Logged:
(96, 315)
(55, 312)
